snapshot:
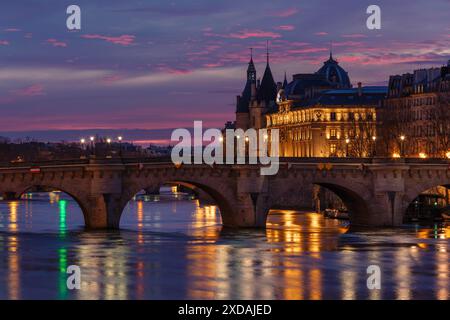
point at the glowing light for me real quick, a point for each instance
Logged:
(82, 140)
(448, 154)
(374, 138)
(119, 138)
(423, 155)
(246, 139)
(402, 137)
(396, 155)
(347, 141)
(62, 266)
(92, 138)
(108, 140)
(13, 216)
(221, 139)
(62, 217)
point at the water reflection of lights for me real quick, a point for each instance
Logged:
(13, 268)
(403, 273)
(105, 273)
(62, 277)
(204, 225)
(303, 234)
(347, 275)
(13, 226)
(140, 220)
(62, 217)
(54, 197)
(442, 279)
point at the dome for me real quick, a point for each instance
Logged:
(334, 73)
(302, 82)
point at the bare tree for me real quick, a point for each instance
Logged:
(361, 143)
(394, 115)
(441, 123)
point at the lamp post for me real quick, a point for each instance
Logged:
(108, 149)
(347, 142)
(83, 147)
(120, 145)
(374, 146)
(402, 140)
(92, 145)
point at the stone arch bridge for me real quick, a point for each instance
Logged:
(376, 192)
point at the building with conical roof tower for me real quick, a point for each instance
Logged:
(243, 101)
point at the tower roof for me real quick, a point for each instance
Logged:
(244, 101)
(268, 89)
(335, 73)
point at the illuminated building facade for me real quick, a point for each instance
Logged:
(318, 114)
(415, 117)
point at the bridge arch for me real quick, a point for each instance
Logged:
(78, 198)
(221, 197)
(414, 190)
(354, 201)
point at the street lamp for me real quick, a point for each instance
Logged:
(92, 144)
(374, 146)
(347, 142)
(402, 140)
(83, 147)
(120, 145)
(448, 154)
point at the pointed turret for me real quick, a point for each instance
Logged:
(268, 89)
(285, 83)
(244, 100)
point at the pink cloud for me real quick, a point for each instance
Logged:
(123, 40)
(306, 50)
(111, 79)
(56, 43)
(245, 34)
(321, 33)
(4, 43)
(213, 65)
(168, 69)
(31, 91)
(285, 28)
(285, 13)
(12, 30)
(354, 36)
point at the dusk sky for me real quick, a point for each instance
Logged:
(163, 64)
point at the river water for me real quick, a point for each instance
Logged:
(173, 247)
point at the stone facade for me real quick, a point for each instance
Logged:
(317, 115)
(376, 193)
(415, 117)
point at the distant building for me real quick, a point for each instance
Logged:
(318, 114)
(415, 117)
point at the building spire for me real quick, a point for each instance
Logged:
(267, 46)
(331, 50)
(251, 54)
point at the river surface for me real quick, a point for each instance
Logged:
(173, 247)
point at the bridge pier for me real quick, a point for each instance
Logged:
(103, 211)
